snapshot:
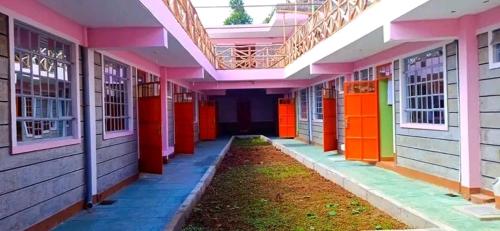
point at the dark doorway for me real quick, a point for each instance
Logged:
(243, 112)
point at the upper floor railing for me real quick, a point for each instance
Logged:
(248, 56)
(324, 22)
(188, 18)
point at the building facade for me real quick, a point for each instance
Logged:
(74, 74)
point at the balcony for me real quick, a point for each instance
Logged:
(327, 19)
(249, 57)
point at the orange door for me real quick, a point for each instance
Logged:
(150, 136)
(329, 120)
(361, 121)
(184, 127)
(286, 118)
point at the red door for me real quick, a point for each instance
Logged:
(150, 135)
(361, 121)
(329, 120)
(286, 118)
(184, 127)
(208, 123)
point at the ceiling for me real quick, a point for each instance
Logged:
(441, 9)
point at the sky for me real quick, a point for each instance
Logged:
(213, 17)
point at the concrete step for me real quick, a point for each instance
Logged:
(481, 198)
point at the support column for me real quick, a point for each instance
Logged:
(470, 153)
(90, 118)
(164, 114)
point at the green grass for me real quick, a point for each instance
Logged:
(273, 192)
(250, 142)
(277, 172)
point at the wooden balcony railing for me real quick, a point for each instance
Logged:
(326, 20)
(249, 56)
(186, 15)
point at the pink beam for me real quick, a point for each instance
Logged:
(389, 55)
(421, 30)
(331, 68)
(138, 61)
(250, 74)
(488, 18)
(277, 91)
(250, 84)
(324, 78)
(127, 37)
(215, 92)
(35, 13)
(470, 150)
(184, 72)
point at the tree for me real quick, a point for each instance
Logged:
(239, 15)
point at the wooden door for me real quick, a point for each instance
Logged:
(286, 118)
(361, 121)
(329, 120)
(208, 123)
(184, 127)
(150, 128)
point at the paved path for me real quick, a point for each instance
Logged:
(422, 197)
(151, 202)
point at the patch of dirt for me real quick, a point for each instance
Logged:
(260, 188)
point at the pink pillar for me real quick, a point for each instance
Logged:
(470, 152)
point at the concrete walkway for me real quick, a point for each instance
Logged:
(400, 196)
(151, 203)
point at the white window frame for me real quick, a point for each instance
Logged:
(130, 99)
(19, 148)
(315, 112)
(300, 104)
(339, 85)
(492, 49)
(402, 93)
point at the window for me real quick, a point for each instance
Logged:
(363, 75)
(170, 90)
(495, 49)
(339, 84)
(318, 102)
(43, 85)
(116, 93)
(424, 87)
(303, 104)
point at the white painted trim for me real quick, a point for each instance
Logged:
(491, 51)
(314, 113)
(402, 94)
(12, 86)
(394, 124)
(300, 105)
(75, 95)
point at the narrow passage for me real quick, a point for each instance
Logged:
(260, 188)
